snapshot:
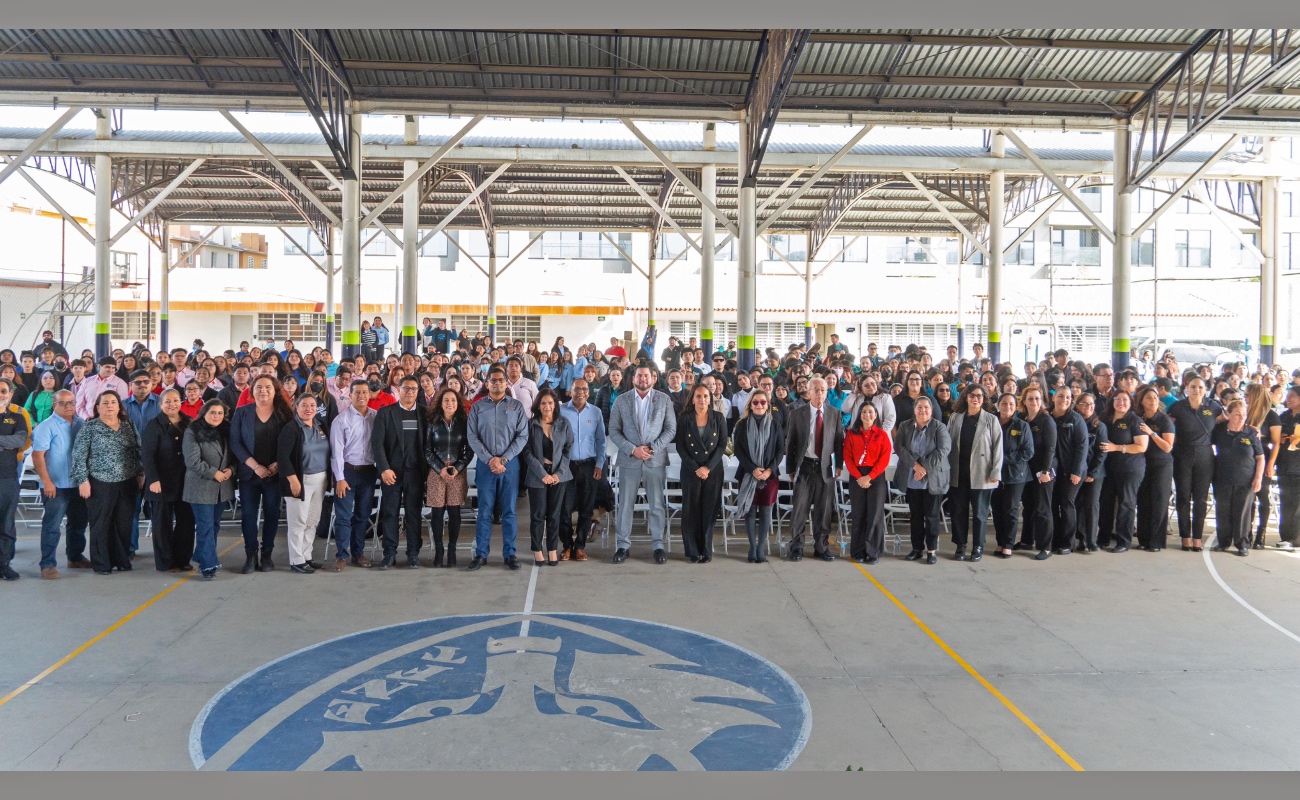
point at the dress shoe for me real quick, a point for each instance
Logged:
(315, 564)
(693, 559)
(50, 574)
(130, 556)
(705, 559)
(931, 558)
(796, 555)
(265, 564)
(80, 563)
(7, 573)
(1092, 548)
(125, 567)
(1259, 543)
(412, 562)
(579, 555)
(451, 557)
(1000, 554)
(660, 558)
(914, 555)
(870, 561)
(1243, 551)
(1063, 551)
(1187, 548)
(301, 569)
(512, 563)
(1154, 549)
(620, 555)
(1043, 555)
(170, 571)
(438, 556)
(187, 568)
(960, 553)
(751, 559)
(389, 562)
(761, 560)
(1119, 548)
(250, 564)
(564, 555)
(209, 574)
(827, 557)
(976, 554)
(1022, 546)
(339, 564)
(476, 563)
(1198, 549)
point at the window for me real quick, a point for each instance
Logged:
(298, 327)
(1023, 254)
(380, 244)
(1192, 248)
(1084, 339)
(264, 263)
(1245, 258)
(582, 245)
(1091, 197)
(856, 252)
(1076, 247)
(214, 259)
(435, 247)
(671, 245)
(934, 337)
(230, 260)
(528, 328)
(793, 248)
(1144, 249)
(1288, 204)
(1289, 261)
(1144, 200)
(909, 251)
(132, 324)
(475, 243)
(250, 262)
(305, 237)
(124, 265)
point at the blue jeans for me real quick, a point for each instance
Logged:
(207, 521)
(352, 513)
(65, 502)
(496, 493)
(255, 492)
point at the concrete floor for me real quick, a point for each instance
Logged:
(1136, 661)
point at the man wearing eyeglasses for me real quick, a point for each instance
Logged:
(141, 407)
(498, 432)
(397, 442)
(52, 459)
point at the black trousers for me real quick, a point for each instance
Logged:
(1038, 514)
(815, 494)
(110, 508)
(544, 507)
(701, 501)
(172, 523)
(452, 528)
(926, 512)
(1234, 505)
(1265, 505)
(867, 531)
(1119, 507)
(407, 494)
(580, 497)
(1193, 472)
(1153, 504)
(1288, 522)
(1006, 512)
(1065, 512)
(1086, 502)
(970, 514)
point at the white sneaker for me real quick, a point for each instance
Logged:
(1284, 546)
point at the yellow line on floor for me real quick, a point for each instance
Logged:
(104, 633)
(1029, 723)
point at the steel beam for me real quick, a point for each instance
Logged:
(746, 268)
(316, 70)
(676, 170)
(948, 215)
(774, 65)
(157, 198)
(464, 204)
(1269, 273)
(1191, 179)
(420, 172)
(38, 142)
(816, 176)
(1060, 185)
(661, 211)
(997, 217)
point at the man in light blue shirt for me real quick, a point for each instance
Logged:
(381, 335)
(52, 459)
(586, 462)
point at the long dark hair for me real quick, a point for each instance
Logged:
(434, 410)
(278, 403)
(537, 404)
(205, 432)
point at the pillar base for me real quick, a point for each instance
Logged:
(745, 355)
(961, 343)
(329, 335)
(163, 325)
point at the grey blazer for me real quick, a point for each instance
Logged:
(203, 460)
(799, 429)
(935, 461)
(561, 444)
(985, 455)
(661, 427)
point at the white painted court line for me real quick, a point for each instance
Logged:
(528, 600)
(1214, 573)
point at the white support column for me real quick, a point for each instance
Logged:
(746, 288)
(164, 303)
(103, 233)
(329, 289)
(961, 297)
(492, 294)
(997, 186)
(1120, 326)
(1270, 283)
(708, 231)
(351, 336)
(807, 293)
(410, 246)
(651, 268)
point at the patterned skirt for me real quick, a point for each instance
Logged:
(440, 492)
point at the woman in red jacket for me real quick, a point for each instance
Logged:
(866, 455)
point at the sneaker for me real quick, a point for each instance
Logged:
(209, 574)
(1284, 546)
(412, 562)
(301, 569)
(50, 574)
(7, 573)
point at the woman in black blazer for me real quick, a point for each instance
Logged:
(171, 519)
(701, 442)
(546, 459)
(756, 498)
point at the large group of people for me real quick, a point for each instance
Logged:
(1066, 456)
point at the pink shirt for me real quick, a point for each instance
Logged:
(93, 387)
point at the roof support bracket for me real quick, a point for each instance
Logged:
(1059, 184)
(39, 142)
(317, 72)
(816, 176)
(774, 64)
(942, 209)
(420, 171)
(157, 198)
(1192, 180)
(721, 218)
(463, 204)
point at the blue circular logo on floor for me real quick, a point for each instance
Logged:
(509, 692)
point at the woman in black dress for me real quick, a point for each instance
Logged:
(1238, 473)
(1194, 419)
(1158, 480)
(1125, 446)
(701, 443)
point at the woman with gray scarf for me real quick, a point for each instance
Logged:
(759, 446)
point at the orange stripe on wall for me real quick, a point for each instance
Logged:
(366, 309)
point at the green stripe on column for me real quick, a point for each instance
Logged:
(745, 342)
(994, 336)
(492, 320)
(329, 318)
(351, 337)
(1265, 340)
(102, 327)
(164, 316)
(1121, 345)
(707, 333)
(807, 324)
(408, 330)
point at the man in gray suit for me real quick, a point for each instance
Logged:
(641, 426)
(812, 462)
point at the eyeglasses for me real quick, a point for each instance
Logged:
(759, 404)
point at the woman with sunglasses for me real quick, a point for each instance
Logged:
(759, 445)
